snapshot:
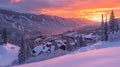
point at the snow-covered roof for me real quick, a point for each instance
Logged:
(48, 43)
(38, 39)
(60, 41)
(88, 36)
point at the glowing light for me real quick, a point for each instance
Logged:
(15, 1)
(91, 14)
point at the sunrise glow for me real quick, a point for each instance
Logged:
(15, 1)
(91, 14)
(88, 9)
(59, 33)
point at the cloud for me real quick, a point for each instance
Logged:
(15, 1)
(64, 8)
(34, 5)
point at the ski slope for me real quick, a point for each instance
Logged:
(101, 54)
(8, 54)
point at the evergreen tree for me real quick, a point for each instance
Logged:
(55, 44)
(102, 29)
(21, 55)
(68, 46)
(80, 41)
(4, 36)
(28, 48)
(106, 32)
(113, 25)
(117, 26)
(102, 22)
(28, 51)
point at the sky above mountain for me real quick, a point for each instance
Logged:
(89, 9)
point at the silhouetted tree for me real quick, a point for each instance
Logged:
(102, 29)
(102, 22)
(113, 25)
(106, 32)
(4, 36)
(28, 51)
(22, 53)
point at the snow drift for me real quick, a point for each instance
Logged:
(8, 54)
(100, 56)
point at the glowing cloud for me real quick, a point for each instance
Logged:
(91, 14)
(15, 1)
(89, 9)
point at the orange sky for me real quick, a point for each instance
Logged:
(89, 9)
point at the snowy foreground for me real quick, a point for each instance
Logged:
(8, 54)
(101, 54)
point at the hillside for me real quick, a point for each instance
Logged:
(33, 24)
(26, 24)
(101, 54)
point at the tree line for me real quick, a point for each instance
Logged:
(109, 27)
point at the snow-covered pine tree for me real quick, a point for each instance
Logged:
(28, 48)
(31, 44)
(68, 46)
(114, 36)
(80, 41)
(22, 53)
(113, 25)
(55, 44)
(4, 36)
(28, 51)
(117, 25)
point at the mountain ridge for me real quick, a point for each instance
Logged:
(26, 24)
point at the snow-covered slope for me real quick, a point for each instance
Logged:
(107, 56)
(98, 45)
(8, 54)
(47, 56)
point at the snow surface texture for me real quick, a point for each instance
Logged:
(46, 56)
(105, 57)
(8, 54)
